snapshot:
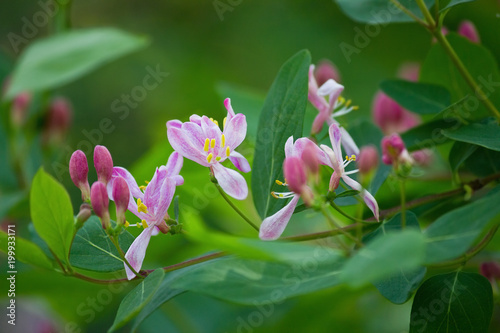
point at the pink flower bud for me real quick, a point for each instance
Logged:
(295, 174)
(310, 158)
(78, 170)
(58, 120)
(367, 159)
(83, 215)
(469, 31)
(103, 164)
(490, 270)
(409, 71)
(392, 148)
(326, 70)
(390, 116)
(100, 202)
(422, 157)
(121, 197)
(19, 109)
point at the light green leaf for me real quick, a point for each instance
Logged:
(133, 303)
(485, 134)
(384, 257)
(52, 213)
(281, 117)
(93, 250)
(454, 233)
(24, 251)
(418, 97)
(453, 302)
(380, 11)
(454, 3)
(65, 57)
(426, 135)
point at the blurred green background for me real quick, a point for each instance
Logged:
(200, 52)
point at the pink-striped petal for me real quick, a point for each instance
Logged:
(239, 161)
(229, 108)
(174, 124)
(235, 130)
(335, 138)
(137, 251)
(195, 134)
(167, 191)
(318, 122)
(174, 164)
(367, 197)
(195, 119)
(348, 143)
(182, 144)
(273, 226)
(230, 181)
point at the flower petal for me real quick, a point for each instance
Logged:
(367, 197)
(195, 134)
(174, 164)
(132, 184)
(174, 124)
(137, 251)
(273, 226)
(229, 108)
(332, 159)
(318, 122)
(231, 181)
(181, 143)
(195, 119)
(348, 143)
(167, 191)
(239, 161)
(210, 130)
(289, 147)
(332, 89)
(235, 130)
(335, 138)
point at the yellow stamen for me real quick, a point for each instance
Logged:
(216, 122)
(144, 224)
(341, 100)
(141, 208)
(138, 225)
(223, 140)
(274, 195)
(207, 142)
(279, 182)
(355, 107)
(353, 158)
(142, 187)
(228, 151)
(212, 143)
(126, 224)
(348, 103)
(224, 122)
(209, 157)
(218, 158)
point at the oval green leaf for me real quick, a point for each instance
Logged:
(485, 134)
(25, 251)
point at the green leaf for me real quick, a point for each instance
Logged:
(460, 151)
(439, 69)
(421, 98)
(347, 193)
(65, 57)
(52, 213)
(483, 162)
(93, 250)
(399, 287)
(453, 302)
(7, 177)
(10, 200)
(454, 3)
(133, 303)
(380, 11)
(452, 234)
(482, 134)
(384, 257)
(426, 135)
(281, 117)
(24, 251)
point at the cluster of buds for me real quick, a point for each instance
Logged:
(98, 193)
(394, 153)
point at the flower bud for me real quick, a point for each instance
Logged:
(310, 158)
(490, 270)
(295, 174)
(103, 164)
(19, 109)
(58, 120)
(100, 203)
(78, 170)
(83, 215)
(392, 148)
(367, 159)
(326, 70)
(121, 197)
(469, 31)
(422, 157)
(390, 116)
(409, 71)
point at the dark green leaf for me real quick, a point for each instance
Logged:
(93, 250)
(426, 135)
(25, 251)
(133, 303)
(483, 162)
(460, 151)
(454, 233)
(399, 287)
(384, 257)
(439, 69)
(380, 11)
(348, 193)
(10, 200)
(78, 52)
(418, 97)
(7, 176)
(52, 213)
(453, 3)
(281, 117)
(454, 302)
(482, 134)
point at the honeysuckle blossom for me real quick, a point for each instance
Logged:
(296, 166)
(151, 206)
(338, 164)
(202, 141)
(335, 106)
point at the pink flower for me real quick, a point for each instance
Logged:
(296, 174)
(469, 31)
(390, 116)
(338, 164)
(394, 150)
(326, 71)
(202, 141)
(151, 206)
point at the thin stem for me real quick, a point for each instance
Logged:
(236, 209)
(89, 279)
(403, 202)
(191, 262)
(338, 227)
(114, 240)
(409, 13)
(338, 209)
